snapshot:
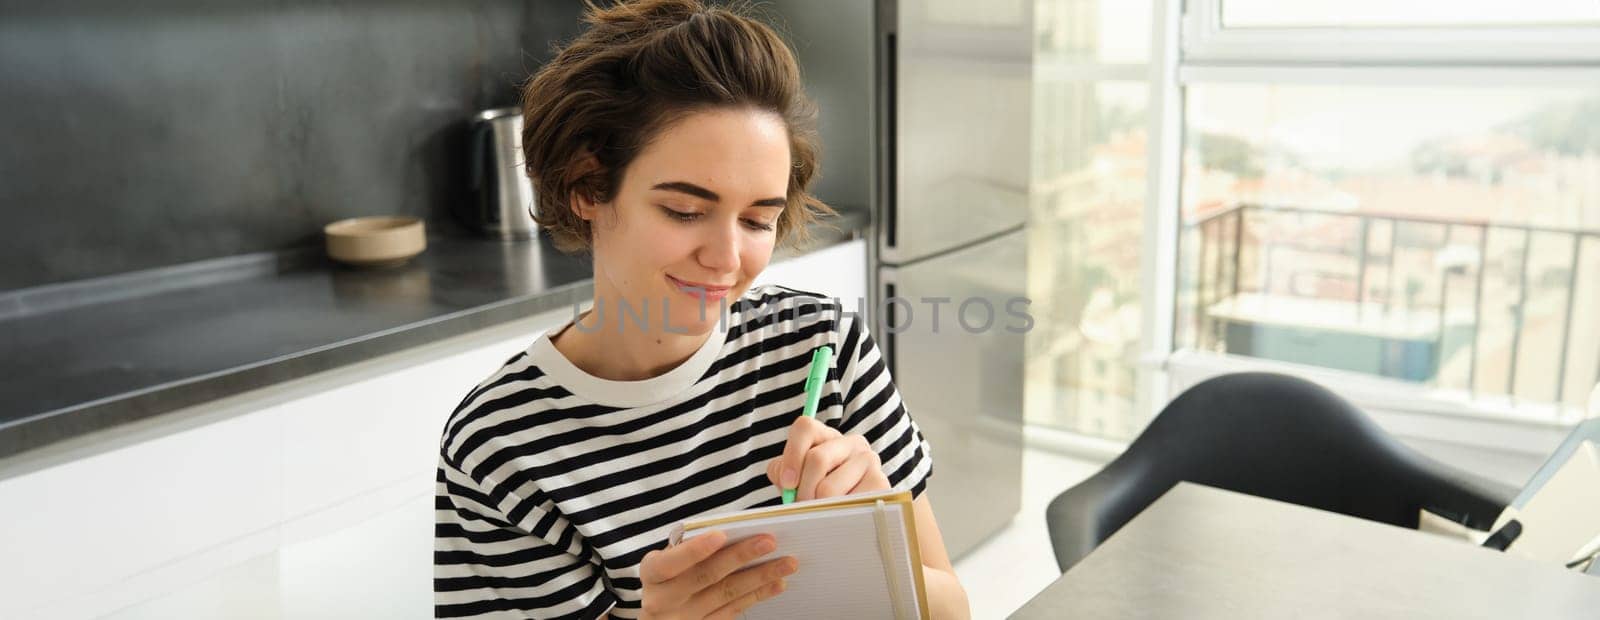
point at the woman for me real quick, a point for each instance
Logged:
(674, 144)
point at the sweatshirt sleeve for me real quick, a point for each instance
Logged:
(486, 564)
(872, 408)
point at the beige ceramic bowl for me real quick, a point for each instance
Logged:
(378, 241)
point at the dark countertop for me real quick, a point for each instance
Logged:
(89, 356)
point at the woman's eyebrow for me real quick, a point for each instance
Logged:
(706, 194)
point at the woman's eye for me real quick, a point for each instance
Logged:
(756, 225)
(681, 216)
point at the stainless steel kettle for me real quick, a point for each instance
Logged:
(502, 196)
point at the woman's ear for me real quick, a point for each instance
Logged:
(581, 205)
(582, 200)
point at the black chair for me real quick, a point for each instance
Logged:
(1276, 437)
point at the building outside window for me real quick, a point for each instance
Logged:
(1404, 195)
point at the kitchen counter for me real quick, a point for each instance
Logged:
(89, 356)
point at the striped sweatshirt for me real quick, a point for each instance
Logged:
(553, 483)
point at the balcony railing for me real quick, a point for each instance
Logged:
(1383, 294)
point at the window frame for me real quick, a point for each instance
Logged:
(1190, 46)
(1206, 41)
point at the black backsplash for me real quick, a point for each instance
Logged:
(181, 131)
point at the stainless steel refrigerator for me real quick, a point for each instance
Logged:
(925, 109)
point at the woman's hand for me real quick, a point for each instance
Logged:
(700, 578)
(819, 462)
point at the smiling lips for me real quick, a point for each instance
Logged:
(698, 290)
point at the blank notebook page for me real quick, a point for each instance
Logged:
(840, 574)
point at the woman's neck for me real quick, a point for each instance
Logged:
(606, 348)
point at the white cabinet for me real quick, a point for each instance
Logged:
(835, 271)
(268, 469)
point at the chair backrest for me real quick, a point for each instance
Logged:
(1277, 437)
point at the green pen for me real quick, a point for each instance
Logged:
(820, 358)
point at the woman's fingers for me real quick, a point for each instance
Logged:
(738, 591)
(667, 564)
(844, 477)
(713, 570)
(804, 434)
(815, 453)
(874, 480)
(861, 471)
(819, 462)
(734, 609)
(714, 580)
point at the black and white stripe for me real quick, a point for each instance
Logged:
(553, 484)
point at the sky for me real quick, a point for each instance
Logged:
(1361, 126)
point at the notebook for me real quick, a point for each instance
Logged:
(858, 555)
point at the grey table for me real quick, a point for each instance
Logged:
(1200, 552)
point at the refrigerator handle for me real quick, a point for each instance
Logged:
(889, 80)
(886, 336)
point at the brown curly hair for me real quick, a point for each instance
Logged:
(638, 68)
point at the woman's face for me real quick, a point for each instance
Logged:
(697, 208)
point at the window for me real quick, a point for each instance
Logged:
(1446, 236)
(1090, 96)
(1402, 195)
(1405, 191)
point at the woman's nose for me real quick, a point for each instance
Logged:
(720, 250)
